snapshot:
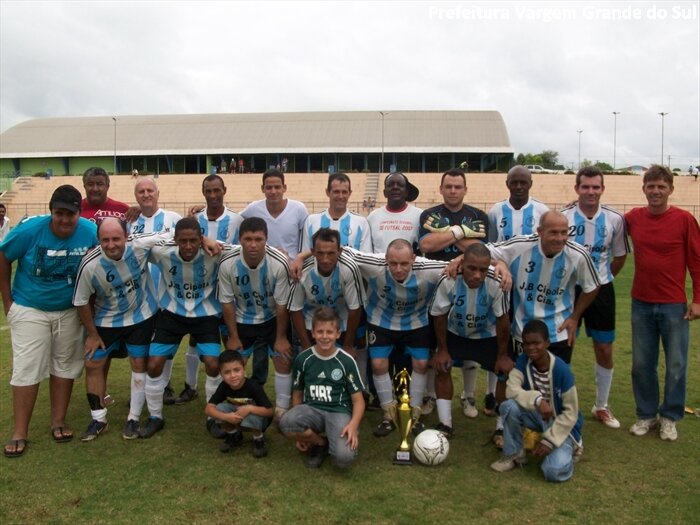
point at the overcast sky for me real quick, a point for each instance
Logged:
(550, 68)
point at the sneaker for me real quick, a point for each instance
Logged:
(417, 428)
(316, 455)
(429, 404)
(153, 425)
(668, 431)
(215, 429)
(605, 416)
(497, 438)
(469, 407)
(169, 395)
(231, 441)
(490, 405)
(259, 448)
(642, 426)
(131, 429)
(384, 428)
(94, 429)
(187, 395)
(445, 429)
(506, 463)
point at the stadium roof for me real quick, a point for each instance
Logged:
(259, 133)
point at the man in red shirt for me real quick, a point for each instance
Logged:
(666, 242)
(96, 205)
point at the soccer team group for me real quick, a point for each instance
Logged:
(339, 302)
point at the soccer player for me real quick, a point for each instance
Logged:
(443, 239)
(284, 217)
(354, 229)
(666, 243)
(4, 222)
(470, 316)
(116, 275)
(46, 335)
(601, 230)
(541, 396)
(187, 298)
(218, 223)
(327, 397)
(97, 205)
(399, 288)
(398, 219)
(253, 290)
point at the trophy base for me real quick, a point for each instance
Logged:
(403, 457)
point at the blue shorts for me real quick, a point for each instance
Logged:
(415, 343)
(136, 338)
(171, 328)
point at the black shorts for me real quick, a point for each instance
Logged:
(256, 335)
(133, 339)
(416, 342)
(171, 328)
(483, 351)
(600, 315)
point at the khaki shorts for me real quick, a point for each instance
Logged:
(44, 344)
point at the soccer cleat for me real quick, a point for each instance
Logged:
(469, 407)
(446, 430)
(231, 441)
(215, 429)
(131, 429)
(384, 428)
(187, 395)
(259, 448)
(497, 438)
(94, 429)
(169, 397)
(418, 427)
(316, 455)
(490, 405)
(643, 426)
(668, 431)
(506, 463)
(605, 416)
(153, 425)
(429, 404)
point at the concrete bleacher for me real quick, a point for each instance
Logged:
(30, 195)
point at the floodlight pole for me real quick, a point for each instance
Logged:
(115, 144)
(616, 113)
(579, 131)
(381, 166)
(662, 136)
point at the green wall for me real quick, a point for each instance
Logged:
(78, 165)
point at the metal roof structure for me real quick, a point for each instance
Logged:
(259, 133)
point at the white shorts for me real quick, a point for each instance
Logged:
(44, 344)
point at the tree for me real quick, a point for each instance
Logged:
(546, 159)
(603, 166)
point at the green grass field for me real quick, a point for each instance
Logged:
(179, 476)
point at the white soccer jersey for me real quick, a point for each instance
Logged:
(354, 230)
(506, 222)
(283, 231)
(123, 289)
(544, 287)
(255, 292)
(223, 229)
(187, 288)
(386, 225)
(393, 305)
(160, 221)
(472, 312)
(342, 290)
(604, 236)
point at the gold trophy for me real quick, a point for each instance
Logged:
(405, 421)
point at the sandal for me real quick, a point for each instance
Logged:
(61, 435)
(17, 443)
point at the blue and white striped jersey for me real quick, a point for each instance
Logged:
(393, 305)
(472, 312)
(256, 292)
(604, 236)
(223, 229)
(160, 221)
(342, 290)
(354, 230)
(187, 288)
(506, 222)
(544, 287)
(123, 289)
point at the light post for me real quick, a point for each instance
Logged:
(381, 166)
(579, 131)
(115, 144)
(616, 113)
(662, 136)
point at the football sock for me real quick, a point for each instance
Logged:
(491, 380)
(154, 395)
(469, 371)
(444, 409)
(168, 370)
(99, 415)
(385, 390)
(191, 367)
(138, 395)
(603, 380)
(430, 383)
(417, 388)
(283, 390)
(211, 385)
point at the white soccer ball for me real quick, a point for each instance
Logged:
(431, 447)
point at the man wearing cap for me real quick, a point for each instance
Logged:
(398, 219)
(96, 205)
(47, 338)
